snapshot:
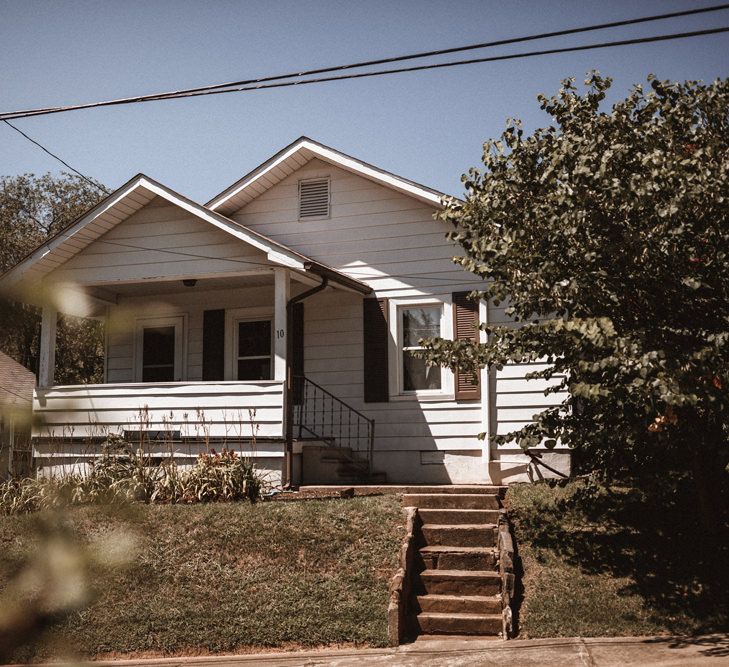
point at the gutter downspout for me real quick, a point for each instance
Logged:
(289, 379)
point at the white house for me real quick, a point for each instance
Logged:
(277, 320)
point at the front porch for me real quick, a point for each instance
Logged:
(191, 365)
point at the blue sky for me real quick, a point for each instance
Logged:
(427, 126)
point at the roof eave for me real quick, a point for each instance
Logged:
(347, 162)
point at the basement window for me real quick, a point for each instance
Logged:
(314, 199)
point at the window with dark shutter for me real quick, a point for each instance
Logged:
(213, 357)
(465, 327)
(376, 337)
(314, 198)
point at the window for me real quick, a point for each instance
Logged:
(417, 322)
(159, 350)
(314, 199)
(253, 350)
(158, 354)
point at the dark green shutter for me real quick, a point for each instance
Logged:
(376, 337)
(213, 357)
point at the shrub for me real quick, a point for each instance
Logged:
(123, 474)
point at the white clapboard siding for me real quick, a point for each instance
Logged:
(192, 303)
(374, 234)
(165, 241)
(221, 409)
(333, 358)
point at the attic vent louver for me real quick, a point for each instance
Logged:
(314, 199)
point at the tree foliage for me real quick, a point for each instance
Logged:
(33, 209)
(607, 236)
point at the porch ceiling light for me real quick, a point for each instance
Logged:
(189, 282)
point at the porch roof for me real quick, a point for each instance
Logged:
(25, 277)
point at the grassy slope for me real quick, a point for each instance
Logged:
(221, 577)
(617, 564)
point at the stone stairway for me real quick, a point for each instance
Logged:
(456, 588)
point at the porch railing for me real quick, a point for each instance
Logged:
(320, 414)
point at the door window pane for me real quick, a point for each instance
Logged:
(419, 323)
(158, 354)
(254, 350)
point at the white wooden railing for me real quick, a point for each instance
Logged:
(232, 410)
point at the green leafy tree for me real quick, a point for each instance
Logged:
(32, 209)
(607, 236)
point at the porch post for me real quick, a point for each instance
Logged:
(47, 360)
(281, 298)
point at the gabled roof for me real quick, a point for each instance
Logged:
(296, 155)
(16, 383)
(127, 200)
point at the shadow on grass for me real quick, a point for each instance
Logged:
(714, 646)
(652, 539)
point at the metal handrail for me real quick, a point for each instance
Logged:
(326, 417)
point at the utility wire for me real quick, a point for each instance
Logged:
(455, 63)
(234, 86)
(360, 75)
(90, 181)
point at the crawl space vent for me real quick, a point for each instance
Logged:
(314, 199)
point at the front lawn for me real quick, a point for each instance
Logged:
(226, 577)
(616, 563)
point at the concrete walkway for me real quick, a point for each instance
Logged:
(577, 652)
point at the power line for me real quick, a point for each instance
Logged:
(98, 186)
(253, 84)
(471, 61)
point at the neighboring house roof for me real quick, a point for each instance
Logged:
(16, 384)
(127, 200)
(296, 155)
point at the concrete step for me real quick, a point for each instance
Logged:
(451, 517)
(422, 489)
(457, 582)
(471, 489)
(464, 535)
(427, 641)
(463, 501)
(458, 558)
(434, 623)
(459, 604)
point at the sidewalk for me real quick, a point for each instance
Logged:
(590, 652)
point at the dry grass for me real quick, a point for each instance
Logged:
(229, 576)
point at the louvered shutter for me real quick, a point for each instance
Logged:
(297, 350)
(376, 336)
(465, 327)
(314, 198)
(213, 357)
